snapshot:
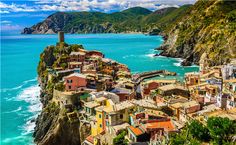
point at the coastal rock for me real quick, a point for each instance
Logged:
(162, 47)
(206, 29)
(186, 63)
(156, 55)
(54, 128)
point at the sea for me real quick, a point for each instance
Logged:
(20, 102)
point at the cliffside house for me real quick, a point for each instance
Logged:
(192, 79)
(150, 85)
(75, 82)
(77, 56)
(94, 53)
(180, 110)
(173, 89)
(213, 95)
(74, 64)
(229, 71)
(123, 93)
(137, 134)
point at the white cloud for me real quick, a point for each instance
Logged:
(4, 12)
(90, 5)
(8, 27)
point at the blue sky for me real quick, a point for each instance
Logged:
(15, 15)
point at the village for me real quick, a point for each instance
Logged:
(148, 106)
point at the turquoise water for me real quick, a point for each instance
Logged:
(19, 58)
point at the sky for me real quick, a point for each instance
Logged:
(17, 14)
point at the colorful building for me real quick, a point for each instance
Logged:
(75, 82)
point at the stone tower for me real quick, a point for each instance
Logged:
(61, 36)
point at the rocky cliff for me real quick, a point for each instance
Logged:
(135, 19)
(53, 126)
(209, 28)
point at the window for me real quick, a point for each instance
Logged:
(121, 116)
(100, 125)
(100, 116)
(69, 81)
(69, 87)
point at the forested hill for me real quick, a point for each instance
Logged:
(207, 33)
(136, 19)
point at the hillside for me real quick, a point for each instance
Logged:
(206, 32)
(135, 19)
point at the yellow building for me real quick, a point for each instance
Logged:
(111, 114)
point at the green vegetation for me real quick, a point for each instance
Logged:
(218, 131)
(60, 86)
(51, 58)
(120, 139)
(207, 27)
(135, 19)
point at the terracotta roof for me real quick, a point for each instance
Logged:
(167, 125)
(136, 130)
(90, 139)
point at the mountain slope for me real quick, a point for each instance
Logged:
(209, 29)
(135, 19)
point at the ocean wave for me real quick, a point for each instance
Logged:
(151, 55)
(127, 56)
(16, 110)
(29, 125)
(22, 139)
(18, 87)
(179, 62)
(31, 96)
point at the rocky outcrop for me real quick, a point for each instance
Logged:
(53, 125)
(208, 28)
(54, 128)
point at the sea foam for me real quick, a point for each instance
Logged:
(31, 96)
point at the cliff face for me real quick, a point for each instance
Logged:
(53, 126)
(135, 19)
(208, 28)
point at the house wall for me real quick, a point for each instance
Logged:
(124, 97)
(131, 136)
(192, 109)
(77, 82)
(64, 99)
(99, 124)
(70, 66)
(77, 58)
(180, 92)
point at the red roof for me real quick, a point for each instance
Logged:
(136, 130)
(167, 125)
(90, 139)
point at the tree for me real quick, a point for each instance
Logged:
(198, 131)
(221, 129)
(120, 139)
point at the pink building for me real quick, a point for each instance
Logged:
(75, 81)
